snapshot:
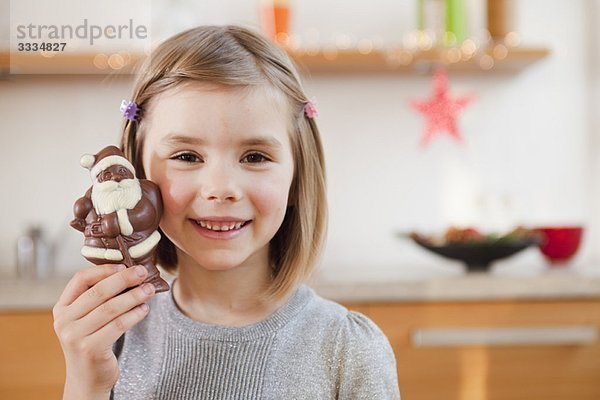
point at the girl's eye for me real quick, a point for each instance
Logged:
(255, 158)
(186, 157)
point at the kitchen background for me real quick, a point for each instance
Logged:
(529, 156)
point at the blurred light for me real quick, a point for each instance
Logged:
(101, 61)
(299, 51)
(365, 46)
(432, 35)
(465, 56)
(486, 62)
(126, 57)
(424, 40)
(312, 51)
(311, 42)
(500, 52)
(512, 39)
(343, 41)
(294, 42)
(116, 61)
(410, 40)
(449, 39)
(469, 47)
(282, 38)
(453, 55)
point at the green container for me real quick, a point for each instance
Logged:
(456, 21)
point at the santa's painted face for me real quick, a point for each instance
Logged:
(223, 160)
(114, 173)
(114, 189)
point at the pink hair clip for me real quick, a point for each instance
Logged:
(310, 108)
(130, 110)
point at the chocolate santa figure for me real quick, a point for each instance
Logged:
(119, 215)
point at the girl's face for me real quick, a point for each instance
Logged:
(223, 161)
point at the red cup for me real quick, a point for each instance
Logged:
(560, 243)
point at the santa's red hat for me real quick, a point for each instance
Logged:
(105, 158)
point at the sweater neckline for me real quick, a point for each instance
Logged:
(184, 325)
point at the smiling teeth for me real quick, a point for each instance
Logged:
(216, 226)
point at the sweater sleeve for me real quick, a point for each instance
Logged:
(367, 366)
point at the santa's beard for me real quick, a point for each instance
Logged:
(111, 196)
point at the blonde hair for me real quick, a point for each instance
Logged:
(235, 56)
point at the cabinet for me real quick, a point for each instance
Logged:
(565, 365)
(31, 360)
(481, 350)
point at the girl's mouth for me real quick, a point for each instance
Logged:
(221, 226)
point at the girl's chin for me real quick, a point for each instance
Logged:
(217, 263)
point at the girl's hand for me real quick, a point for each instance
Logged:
(91, 314)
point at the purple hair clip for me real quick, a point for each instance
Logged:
(130, 110)
(310, 108)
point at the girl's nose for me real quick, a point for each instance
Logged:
(220, 185)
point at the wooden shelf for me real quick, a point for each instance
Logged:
(322, 62)
(68, 63)
(510, 60)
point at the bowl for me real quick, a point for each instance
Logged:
(560, 243)
(475, 249)
(478, 257)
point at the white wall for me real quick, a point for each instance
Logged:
(593, 106)
(47, 124)
(527, 141)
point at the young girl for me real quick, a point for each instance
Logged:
(227, 133)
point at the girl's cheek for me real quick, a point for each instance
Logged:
(176, 196)
(271, 196)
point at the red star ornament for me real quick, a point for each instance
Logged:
(441, 110)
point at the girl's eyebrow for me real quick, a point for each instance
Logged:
(268, 141)
(175, 138)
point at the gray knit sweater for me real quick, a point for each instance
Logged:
(311, 349)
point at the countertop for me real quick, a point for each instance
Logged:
(468, 287)
(16, 294)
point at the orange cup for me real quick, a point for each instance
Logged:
(276, 17)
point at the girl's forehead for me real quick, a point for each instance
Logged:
(209, 94)
(199, 107)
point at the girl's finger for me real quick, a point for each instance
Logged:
(104, 290)
(84, 279)
(113, 309)
(106, 336)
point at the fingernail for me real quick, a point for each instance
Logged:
(140, 270)
(119, 267)
(148, 288)
(144, 307)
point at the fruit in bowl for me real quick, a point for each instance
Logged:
(475, 249)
